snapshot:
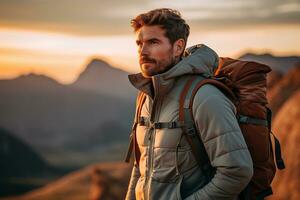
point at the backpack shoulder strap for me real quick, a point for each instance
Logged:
(186, 114)
(186, 117)
(218, 83)
(133, 146)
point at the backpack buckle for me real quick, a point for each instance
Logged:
(243, 119)
(190, 131)
(172, 125)
(156, 125)
(142, 121)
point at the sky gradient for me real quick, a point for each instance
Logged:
(58, 38)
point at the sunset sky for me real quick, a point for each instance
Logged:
(58, 38)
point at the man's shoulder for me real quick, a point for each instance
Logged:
(211, 96)
(209, 91)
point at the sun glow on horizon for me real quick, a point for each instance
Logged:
(63, 56)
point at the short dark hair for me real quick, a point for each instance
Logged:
(168, 19)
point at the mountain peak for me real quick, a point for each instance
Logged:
(33, 78)
(99, 62)
(28, 83)
(99, 67)
(99, 76)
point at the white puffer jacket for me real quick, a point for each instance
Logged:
(155, 177)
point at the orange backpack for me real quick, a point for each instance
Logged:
(245, 84)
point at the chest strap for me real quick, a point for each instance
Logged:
(144, 121)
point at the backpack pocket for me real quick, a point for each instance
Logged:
(257, 138)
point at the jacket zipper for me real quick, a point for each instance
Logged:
(153, 118)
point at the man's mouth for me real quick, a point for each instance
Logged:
(146, 61)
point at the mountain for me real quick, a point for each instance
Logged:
(20, 162)
(286, 126)
(283, 89)
(279, 63)
(100, 77)
(62, 121)
(19, 159)
(100, 181)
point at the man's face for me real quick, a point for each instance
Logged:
(156, 53)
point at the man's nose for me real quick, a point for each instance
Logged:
(143, 50)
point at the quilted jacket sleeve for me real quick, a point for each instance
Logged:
(135, 174)
(215, 119)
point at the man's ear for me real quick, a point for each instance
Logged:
(179, 47)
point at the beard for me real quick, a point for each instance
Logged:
(154, 67)
(169, 66)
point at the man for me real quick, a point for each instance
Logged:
(166, 167)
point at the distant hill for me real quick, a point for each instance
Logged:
(283, 89)
(103, 78)
(64, 121)
(19, 159)
(19, 162)
(279, 63)
(106, 181)
(286, 127)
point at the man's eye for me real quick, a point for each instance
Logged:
(153, 42)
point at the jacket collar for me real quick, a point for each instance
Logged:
(198, 59)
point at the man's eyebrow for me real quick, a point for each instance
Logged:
(153, 39)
